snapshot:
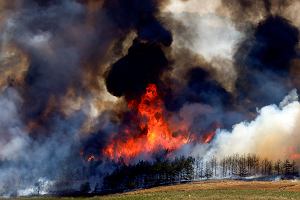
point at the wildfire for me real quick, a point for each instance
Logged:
(210, 134)
(91, 158)
(208, 137)
(157, 136)
(294, 154)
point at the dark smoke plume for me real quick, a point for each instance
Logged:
(131, 74)
(145, 60)
(200, 88)
(141, 18)
(265, 59)
(71, 68)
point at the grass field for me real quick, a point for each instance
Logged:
(210, 190)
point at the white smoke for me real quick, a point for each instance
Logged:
(40, 188)
(274, 134)
(207, 34)
(23, 169)
(214, 35)
(13, 138)
(194, 6)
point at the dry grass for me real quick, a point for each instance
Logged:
(212, 190)
(288, 185)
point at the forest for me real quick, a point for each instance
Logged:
(145, 174)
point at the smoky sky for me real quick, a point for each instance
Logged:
(131, 74)
(86, 59)
(141, 18)
(201, 88)
(265, 59)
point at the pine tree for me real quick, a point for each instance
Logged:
(242, 167)
(294, 169)
(287, 168)
(277, 167)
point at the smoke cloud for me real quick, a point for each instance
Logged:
(83, 79)
(271, 135)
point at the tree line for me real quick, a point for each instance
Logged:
(244, 166)
(148, 174)
(184, 169)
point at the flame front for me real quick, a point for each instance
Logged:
(157, 136)
(207, 138)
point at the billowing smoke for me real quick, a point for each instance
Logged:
(89, 84)
(130, 75)
(265, 61)
(271, 134)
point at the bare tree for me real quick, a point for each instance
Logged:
(224, 166)
(213, 164)
(277, 167)
(201, 169)
(294, 168)
(208, 171)
(242, 166)
(287, 167)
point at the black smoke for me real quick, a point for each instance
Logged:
(130, 75)
(202, 88)
(264, 60)
(273, 46)
(139, 16)
(69, 46)
(145, 60)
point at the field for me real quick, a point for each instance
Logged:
(210, 190)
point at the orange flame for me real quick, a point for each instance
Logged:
(157, 135)
(91, 158)
(210, 134)
(294, 154)
(208, 137)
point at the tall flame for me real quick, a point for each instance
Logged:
(157, 136)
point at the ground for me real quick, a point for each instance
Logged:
(210, 190)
